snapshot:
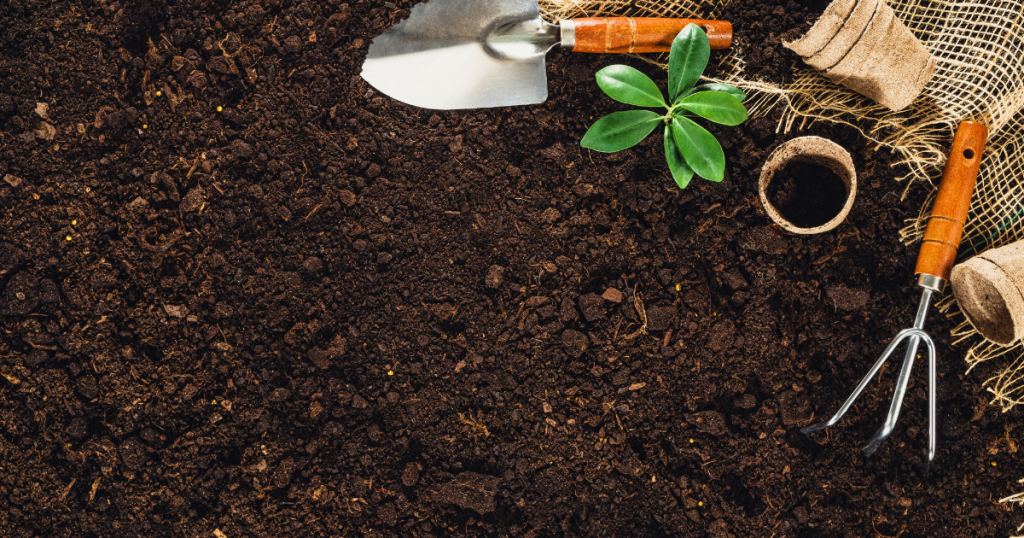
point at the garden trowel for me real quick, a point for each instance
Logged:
(457, 54)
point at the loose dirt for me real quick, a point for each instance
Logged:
(243, 294)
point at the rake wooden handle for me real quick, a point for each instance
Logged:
(641, 34)
(949, 213)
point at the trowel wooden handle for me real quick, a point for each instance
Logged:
(949, 213)
(641, 34)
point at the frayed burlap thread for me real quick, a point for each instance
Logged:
(978, 46)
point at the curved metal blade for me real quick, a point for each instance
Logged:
(441, 58)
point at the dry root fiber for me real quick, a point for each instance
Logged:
(815, 150)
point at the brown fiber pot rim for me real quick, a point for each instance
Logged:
(816, 150)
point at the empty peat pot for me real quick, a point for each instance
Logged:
(989, 289)
(864, 46)
(808, 185)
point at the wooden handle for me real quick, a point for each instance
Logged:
(949, 213)
(640, 34)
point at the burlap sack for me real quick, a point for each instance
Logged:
(990, 290)
(872, 53)
(815, 150)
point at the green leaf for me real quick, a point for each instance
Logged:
(717, 87)
(690, 53)
(630, 86)
(620, 130)
(681, 171)
(718, 107)
(700, 149)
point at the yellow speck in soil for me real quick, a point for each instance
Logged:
(68, 238)
(391, 372)
(691, 440)
(679, 287)
(159, 93)
(700, 503)
(994, 464)
(74, 223)
(220, 109)
(213, 402)
(144, 126)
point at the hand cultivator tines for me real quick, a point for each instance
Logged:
(934, 264)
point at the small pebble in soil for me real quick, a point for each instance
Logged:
(807, 194)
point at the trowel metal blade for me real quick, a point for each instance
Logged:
(439, 57)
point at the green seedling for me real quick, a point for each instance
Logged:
(689, 148)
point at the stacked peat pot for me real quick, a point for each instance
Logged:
(862, 45)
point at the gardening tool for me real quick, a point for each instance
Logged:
(934, 265)
(457, 54)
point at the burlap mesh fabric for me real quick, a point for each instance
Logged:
(978, 46)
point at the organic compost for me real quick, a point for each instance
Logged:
(244, 295)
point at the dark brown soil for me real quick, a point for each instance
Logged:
(268, 301)
(816, 7)
(807, 194)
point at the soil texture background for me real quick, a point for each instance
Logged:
(244, 294)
